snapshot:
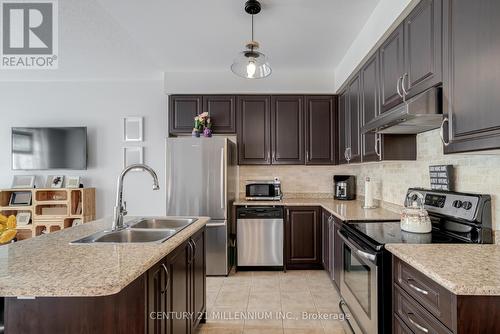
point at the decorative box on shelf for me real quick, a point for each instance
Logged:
(50, 209)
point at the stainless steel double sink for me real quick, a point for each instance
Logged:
(144, 230)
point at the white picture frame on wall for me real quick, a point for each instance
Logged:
(133, 155)
(133, 129)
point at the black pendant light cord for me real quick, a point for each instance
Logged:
(252, 32)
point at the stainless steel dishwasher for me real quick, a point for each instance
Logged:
(259, 237)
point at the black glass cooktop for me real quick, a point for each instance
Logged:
(381, 233)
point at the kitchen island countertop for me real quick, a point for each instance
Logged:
(343, 210)
(49, 266)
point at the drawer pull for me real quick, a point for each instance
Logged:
(416, 288)
(414, 323)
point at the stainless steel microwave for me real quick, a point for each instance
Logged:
(263, 190)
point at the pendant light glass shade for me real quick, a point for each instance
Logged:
(251, 64)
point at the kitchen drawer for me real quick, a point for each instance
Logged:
(400, 327)
(433, 297)
(415, 316)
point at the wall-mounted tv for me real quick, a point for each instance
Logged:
(49, 148)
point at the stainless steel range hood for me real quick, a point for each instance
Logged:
(421, 113)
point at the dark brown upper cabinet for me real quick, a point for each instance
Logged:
(184, 108)
(423, 49)
(391, 70)
(254, 130)
(472, 75)
(370, 107)
(182, 111)
(353, 113)
(321, 130)
(343, 128)
(222, 111)
(287, 130)
(303, 241)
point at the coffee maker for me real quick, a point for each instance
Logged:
(344, 187)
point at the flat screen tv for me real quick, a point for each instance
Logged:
(49, 148)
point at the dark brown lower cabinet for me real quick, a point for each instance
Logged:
(198, 281)
(303, 238)
(168, 298)
(337, 252)
(325, 221)
(178, 290)
(421, 305)
(186, 286)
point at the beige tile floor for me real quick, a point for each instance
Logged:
(279, 302)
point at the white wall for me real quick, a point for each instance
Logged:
(226, 82)
(99, 106)
(383, 19)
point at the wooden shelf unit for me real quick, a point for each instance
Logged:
(51, 209)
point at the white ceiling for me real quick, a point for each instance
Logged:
(197, 35)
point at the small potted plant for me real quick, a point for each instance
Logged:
(202, 123)
(197, 127)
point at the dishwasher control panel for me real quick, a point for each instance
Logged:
(260, 212)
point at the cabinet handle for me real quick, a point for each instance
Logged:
(168, 278)
(349, 154)
(416, 324)
(192, 251)
(405, 92)
(222, 185)
(441, 131)
(268, 156)
(397, 87)
(345, 154)
(378, 143)
(416, 288)
(307, 155)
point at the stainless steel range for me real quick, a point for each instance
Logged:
(365, 283)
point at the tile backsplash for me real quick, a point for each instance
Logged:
(472, 173)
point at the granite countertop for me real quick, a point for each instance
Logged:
(344, 210)
(470, 269)
(49, 266)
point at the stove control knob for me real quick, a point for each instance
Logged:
(467, 205)
(457, 204)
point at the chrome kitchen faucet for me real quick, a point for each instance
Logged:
(120, 208)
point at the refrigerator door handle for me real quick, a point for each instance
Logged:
(222, 190)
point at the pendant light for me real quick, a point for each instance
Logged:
(251, 64)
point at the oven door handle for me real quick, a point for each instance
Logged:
(361, 251)
(367, 256)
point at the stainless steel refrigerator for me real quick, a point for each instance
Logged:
(201, 181)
